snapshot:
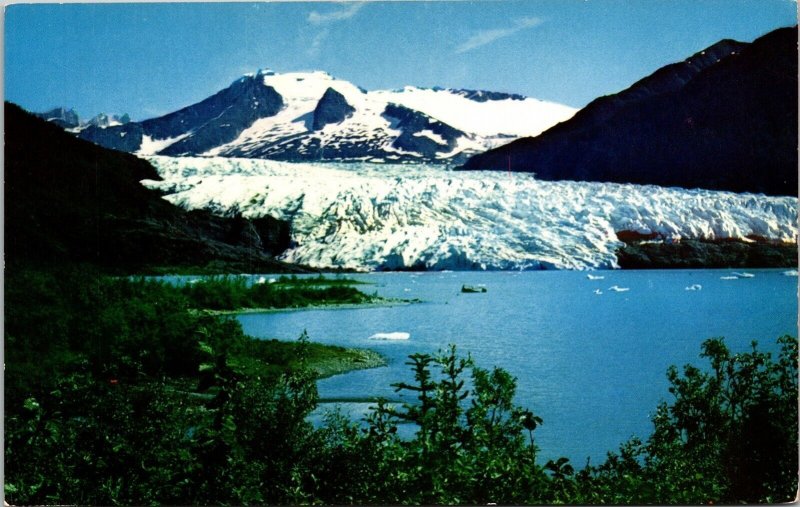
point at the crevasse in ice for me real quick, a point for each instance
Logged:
(368, 216)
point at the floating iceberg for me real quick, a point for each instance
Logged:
(397, 335)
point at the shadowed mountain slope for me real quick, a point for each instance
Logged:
(68, 200)
(724, 119)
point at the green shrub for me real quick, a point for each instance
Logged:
(729, 436)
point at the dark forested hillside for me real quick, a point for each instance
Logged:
(725, 118)
(70, 200)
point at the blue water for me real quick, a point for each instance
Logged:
(592, 366)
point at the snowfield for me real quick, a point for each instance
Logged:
(369, 216)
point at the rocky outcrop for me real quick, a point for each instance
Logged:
(725, 119)
(697, 253)
(420, 133)
(63, 117)
(104, 120)
(331, 108)
(485, 96)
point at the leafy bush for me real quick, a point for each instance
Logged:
(730, 435)
(471, 446)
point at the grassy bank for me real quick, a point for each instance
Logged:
(274, 357)
(228, 293)
(382, 303)
(75, 317)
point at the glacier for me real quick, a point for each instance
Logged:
(381, 216)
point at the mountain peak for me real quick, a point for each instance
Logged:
(61, 116)
(331, 108)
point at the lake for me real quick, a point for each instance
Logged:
(593, 366)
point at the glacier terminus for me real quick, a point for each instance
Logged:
(383, 217)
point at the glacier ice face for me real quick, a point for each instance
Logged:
(368, 216)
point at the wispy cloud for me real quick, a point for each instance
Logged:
(325, 20)
(349, 10)
(484, 37)
(316, 43)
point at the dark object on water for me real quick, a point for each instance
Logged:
(472, 289)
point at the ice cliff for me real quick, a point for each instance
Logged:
(370, 217)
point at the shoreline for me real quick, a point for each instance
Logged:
(337, 306)
(357, 359)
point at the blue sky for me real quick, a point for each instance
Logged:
(150, 59)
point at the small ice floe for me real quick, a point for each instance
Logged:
(617, 288)
(598, 291)
(791, 272)
(744, 275)
(261, 280)
(406, 290)
(694, 286)
(192, 282)
(594, 277)
(729, 278)
(397, 335)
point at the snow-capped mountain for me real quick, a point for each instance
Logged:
(393, 217)
(312, 116)
(103, 120)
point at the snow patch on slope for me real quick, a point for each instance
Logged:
(152, 146)
(364, 216)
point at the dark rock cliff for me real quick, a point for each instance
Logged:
(331, 108)
(126, 137)
(412, 123)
